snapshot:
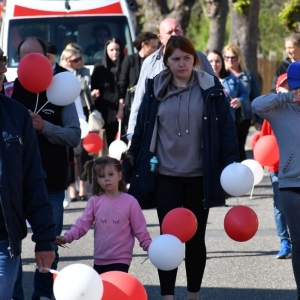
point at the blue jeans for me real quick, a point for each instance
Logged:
(8, 271)
(43, 282)
(280, 221)
(290, 199)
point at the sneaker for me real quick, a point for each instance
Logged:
(285, 250)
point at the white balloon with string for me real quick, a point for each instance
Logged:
(257, 170)
(117, 147)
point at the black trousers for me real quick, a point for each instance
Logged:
(242, 130)
(172, 192)
(112, 267)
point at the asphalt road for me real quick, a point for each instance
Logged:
(234, 271)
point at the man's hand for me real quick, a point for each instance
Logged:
(235, 103)
(95, 93)
(37, 121)
(44, 259)
(258, 126)
(296, 96)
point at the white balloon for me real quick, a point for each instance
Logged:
(237, 179)
(166, 252)
(78, 282)
(256, 168)
(116, 148)
(84, 126)
(64, 89)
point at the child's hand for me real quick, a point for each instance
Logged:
(60, 240)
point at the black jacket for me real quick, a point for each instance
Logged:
(23, 192)
(108, 102)
(280, 70)
(130, 73)
(220, 147)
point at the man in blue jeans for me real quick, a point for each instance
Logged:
(57, 127)
(23, 194)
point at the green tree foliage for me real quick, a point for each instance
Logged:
(241, 6)
(289, 16)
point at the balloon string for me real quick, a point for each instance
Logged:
(42, 107)
(252, 191)
(144, 260)
(48, 269)
(36, 103)
(119, 129)
(237, 200)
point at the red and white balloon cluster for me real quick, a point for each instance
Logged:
(35, 73)
(241, 222)
(166, 252)
(81, 282)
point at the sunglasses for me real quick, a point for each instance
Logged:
(4, 59)
(230, 58)
(76, 60)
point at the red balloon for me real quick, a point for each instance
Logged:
(266, 151)
(121, 285)
(180, 222)
(241, 223)
(92, 143)
(253, 139)
(35, 72)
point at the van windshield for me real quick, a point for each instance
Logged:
(90, 33)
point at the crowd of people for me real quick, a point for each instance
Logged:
(164, 97)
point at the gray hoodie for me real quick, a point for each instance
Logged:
(284, 117)
(178, 144)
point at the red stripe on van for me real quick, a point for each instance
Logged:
(21, 11)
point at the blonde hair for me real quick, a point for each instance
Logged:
(294, 38)
(75, 46)
(236, 51)
(67, 54)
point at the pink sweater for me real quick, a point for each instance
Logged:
(116, 222)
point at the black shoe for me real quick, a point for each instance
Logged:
(73, 199)
(83, 198)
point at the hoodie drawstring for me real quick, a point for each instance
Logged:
(187, 112)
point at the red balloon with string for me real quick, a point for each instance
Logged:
(241, 223)
(92, 143)
(180, 222)
(35, 72)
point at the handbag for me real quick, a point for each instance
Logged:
(95, 120)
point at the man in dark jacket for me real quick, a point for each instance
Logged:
(23, 194)
(57, 127)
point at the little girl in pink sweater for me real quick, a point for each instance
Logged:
(116, 216)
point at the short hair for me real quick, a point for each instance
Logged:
(237, 51)
(143, 37)
(294, 38)
(185, 45)
(94, 168)
(223, 72)
(40, 41)
(51, 48)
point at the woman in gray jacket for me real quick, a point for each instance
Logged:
(282, 111)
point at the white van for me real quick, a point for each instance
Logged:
(61, 22)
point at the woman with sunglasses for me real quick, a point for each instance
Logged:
(234, 62)
(71, 59)
(104, 86)
(233, 87)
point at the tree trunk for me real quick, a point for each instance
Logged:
(216, 12)
(244, 33)
(154, 11)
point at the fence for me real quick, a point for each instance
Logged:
(266, 68)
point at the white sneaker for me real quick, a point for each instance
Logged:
(67, 200)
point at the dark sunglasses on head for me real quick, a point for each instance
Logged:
(230, 57)
(4, 59)
(76, 60)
